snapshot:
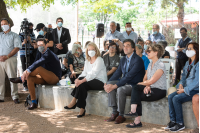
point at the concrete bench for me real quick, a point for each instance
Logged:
(56, 97)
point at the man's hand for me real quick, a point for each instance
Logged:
(147, 89)
(179, 91)
(29, 38)
(78, 82)
(108, 88)
(25, 76)
(115, 40)
(3, 58)
(73, 75)
(59, 46)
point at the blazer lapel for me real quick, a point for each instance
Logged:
(63, 33)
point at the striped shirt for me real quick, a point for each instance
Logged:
(8, 42)
(160, 83)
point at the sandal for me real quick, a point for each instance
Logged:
(134, 125)
(132, 114)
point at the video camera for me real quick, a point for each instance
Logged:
(47, 29)
(25, 26)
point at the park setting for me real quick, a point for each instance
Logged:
(105, 66)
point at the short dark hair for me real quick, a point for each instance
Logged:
(131, 41)
(163, 43)
(183, 28)
(87, 43)
(30, 24)
(140, 40)
(6, 20)
(42, 39)
(117, 47)
(128, 23)
(59, 18)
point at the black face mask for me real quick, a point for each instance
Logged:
(30, 31)
(183, 35)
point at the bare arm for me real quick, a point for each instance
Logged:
(50, 44)
(111, 71)
(65, 62)
(13, 52)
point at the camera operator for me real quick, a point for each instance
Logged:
(44, 32)
(30, 43)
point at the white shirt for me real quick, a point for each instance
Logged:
(97, 70)
(59, 33)
(133, 36)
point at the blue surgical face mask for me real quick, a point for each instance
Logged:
(59, 24)
(41, 32)
(145, 47)
(155, 32)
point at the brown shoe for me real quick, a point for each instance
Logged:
(120, 119)
(113, 117)
(32, 106)
(16, 101)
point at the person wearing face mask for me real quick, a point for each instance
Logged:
(186, 88)
(129, 34)
(156, 36)
(144, 46)
(61, 38)
(30, 42)
(76, 62)
(114, 34)
(10, 44)
(45, 70)
(181, 57)
(42, 31)
(93, 77)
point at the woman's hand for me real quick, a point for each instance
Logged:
(147, 89)
(78, 82)
(73, 75)
(179, 91)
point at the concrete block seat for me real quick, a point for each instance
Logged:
(56, 97)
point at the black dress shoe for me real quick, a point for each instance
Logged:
(79, 116)
(32, 106)
(16, 101)
(15, 80)
(1, 101)
(66, 107)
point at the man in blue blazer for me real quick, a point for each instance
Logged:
(45, 70)
(130, 71)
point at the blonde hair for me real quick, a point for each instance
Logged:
(96, 50)
(157, 48)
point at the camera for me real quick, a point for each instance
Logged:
(24, 26)
(47, 29)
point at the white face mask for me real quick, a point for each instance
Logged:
(5, 28)
(91, 53)
(190, 53)
(128, 29)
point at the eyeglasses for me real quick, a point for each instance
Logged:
(189, 49)
(107, 44)
(112, 47)
(149, 51)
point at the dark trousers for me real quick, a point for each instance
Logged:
(180, 63)
(80, 92)
(137, 95)
(23, 61)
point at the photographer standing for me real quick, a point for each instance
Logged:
(30, 43)
(9, 46)
(45, 33)
(61, 38)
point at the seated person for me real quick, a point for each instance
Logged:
(106, 44)
(132, 68)
(112, 59)
(195, 106)
(164, 44)
(186, 88)
(152, 88)
(141, 43)
(139, 51)
(45, 70)
(93, 77)
(76, 62)
(86, 46)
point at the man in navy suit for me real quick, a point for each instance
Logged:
(130, 71)
(45, 70)
(61, 38)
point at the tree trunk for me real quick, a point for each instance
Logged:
(180, 14)
(4, 13)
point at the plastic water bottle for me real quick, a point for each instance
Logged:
(68, 81)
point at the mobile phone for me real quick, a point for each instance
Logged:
(110, 41)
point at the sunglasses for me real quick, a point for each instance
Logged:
(149, 51)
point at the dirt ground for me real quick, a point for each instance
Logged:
(16, 118)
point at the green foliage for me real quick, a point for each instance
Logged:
(126, 15)
(91, 26)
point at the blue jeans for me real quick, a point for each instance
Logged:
(175, 101)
